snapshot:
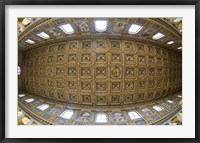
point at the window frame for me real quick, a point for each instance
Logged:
(29, 100)
(101, 114)
(42, 108)
(96, 25)
(63, 114)
(158, 108)
(134, 115)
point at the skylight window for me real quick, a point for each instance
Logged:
(30, 41)
(178, 19)
(21, 95)
(170, 42)
(134, 29)
(158, 36)
(179, 48)
(169, 101)
(18, 70)
(43, 107)
(67, 28)
(101, 118)
(67, 114)
(134, 115)
(158, 108)
(29, 100)
(100, 25)
(180, 96)
(26, 21)
(43, 35)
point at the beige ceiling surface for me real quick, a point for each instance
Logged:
(101, 69)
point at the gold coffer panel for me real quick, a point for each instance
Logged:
(102, 72)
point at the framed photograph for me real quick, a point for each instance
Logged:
(123, 71)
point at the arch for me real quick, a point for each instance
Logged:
(134, 29)
(158, 108)
(134, 115)
(29, 100)
(43, 107)
(101, 118)
(67, 114)
(170, 101)
(100, 25)
(21, 95)
(18, 70)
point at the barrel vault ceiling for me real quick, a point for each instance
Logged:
(117, 28)
(122, 61)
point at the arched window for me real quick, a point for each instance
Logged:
(158, 108)
(21, 95)
(18, 70)
(67, 114)
(134, 115)
(158, 36)
(43, 107)
(101, 118)
(29, 100)
(134, 29)
(67, 28)
(169, 101)
(100, 25)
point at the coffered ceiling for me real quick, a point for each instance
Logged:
(100, 61)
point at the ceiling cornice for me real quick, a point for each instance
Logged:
(102, 36)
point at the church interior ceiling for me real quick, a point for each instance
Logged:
(99, 64)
